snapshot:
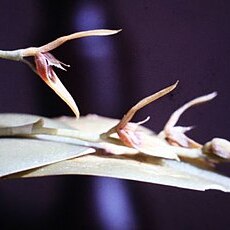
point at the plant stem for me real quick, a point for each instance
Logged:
(15, 55)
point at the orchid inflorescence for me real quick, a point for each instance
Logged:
(45, 62)
(126, 131)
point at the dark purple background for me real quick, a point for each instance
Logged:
(161, 42)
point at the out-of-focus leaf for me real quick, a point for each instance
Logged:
(138, 168)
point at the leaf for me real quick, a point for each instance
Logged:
(19, 154)
(160, 147)
(95, 124)
(130, 164)
(138, 168)
(17, 119)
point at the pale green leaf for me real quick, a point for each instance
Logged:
(138, 168)
(19, 154)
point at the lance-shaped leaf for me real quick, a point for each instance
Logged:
(21, 154)
(138, 168)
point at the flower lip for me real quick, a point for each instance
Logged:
(129, 134)
(44, 63)
(52, 61)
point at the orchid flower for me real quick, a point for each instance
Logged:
(44, 67)
(45, 61)
(175, 135)
(129, 135)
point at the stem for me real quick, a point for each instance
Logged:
(37, 128)
(15, 55)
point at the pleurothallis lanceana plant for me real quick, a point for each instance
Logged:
(34, 146)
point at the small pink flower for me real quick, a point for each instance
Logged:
(45, 61)
(129, 134)
(127, 131)
(142, 140)
(175, 135)
(44, 67)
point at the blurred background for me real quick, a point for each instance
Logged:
(160, 42)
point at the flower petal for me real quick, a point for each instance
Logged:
(46, 72)
(52, 61)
